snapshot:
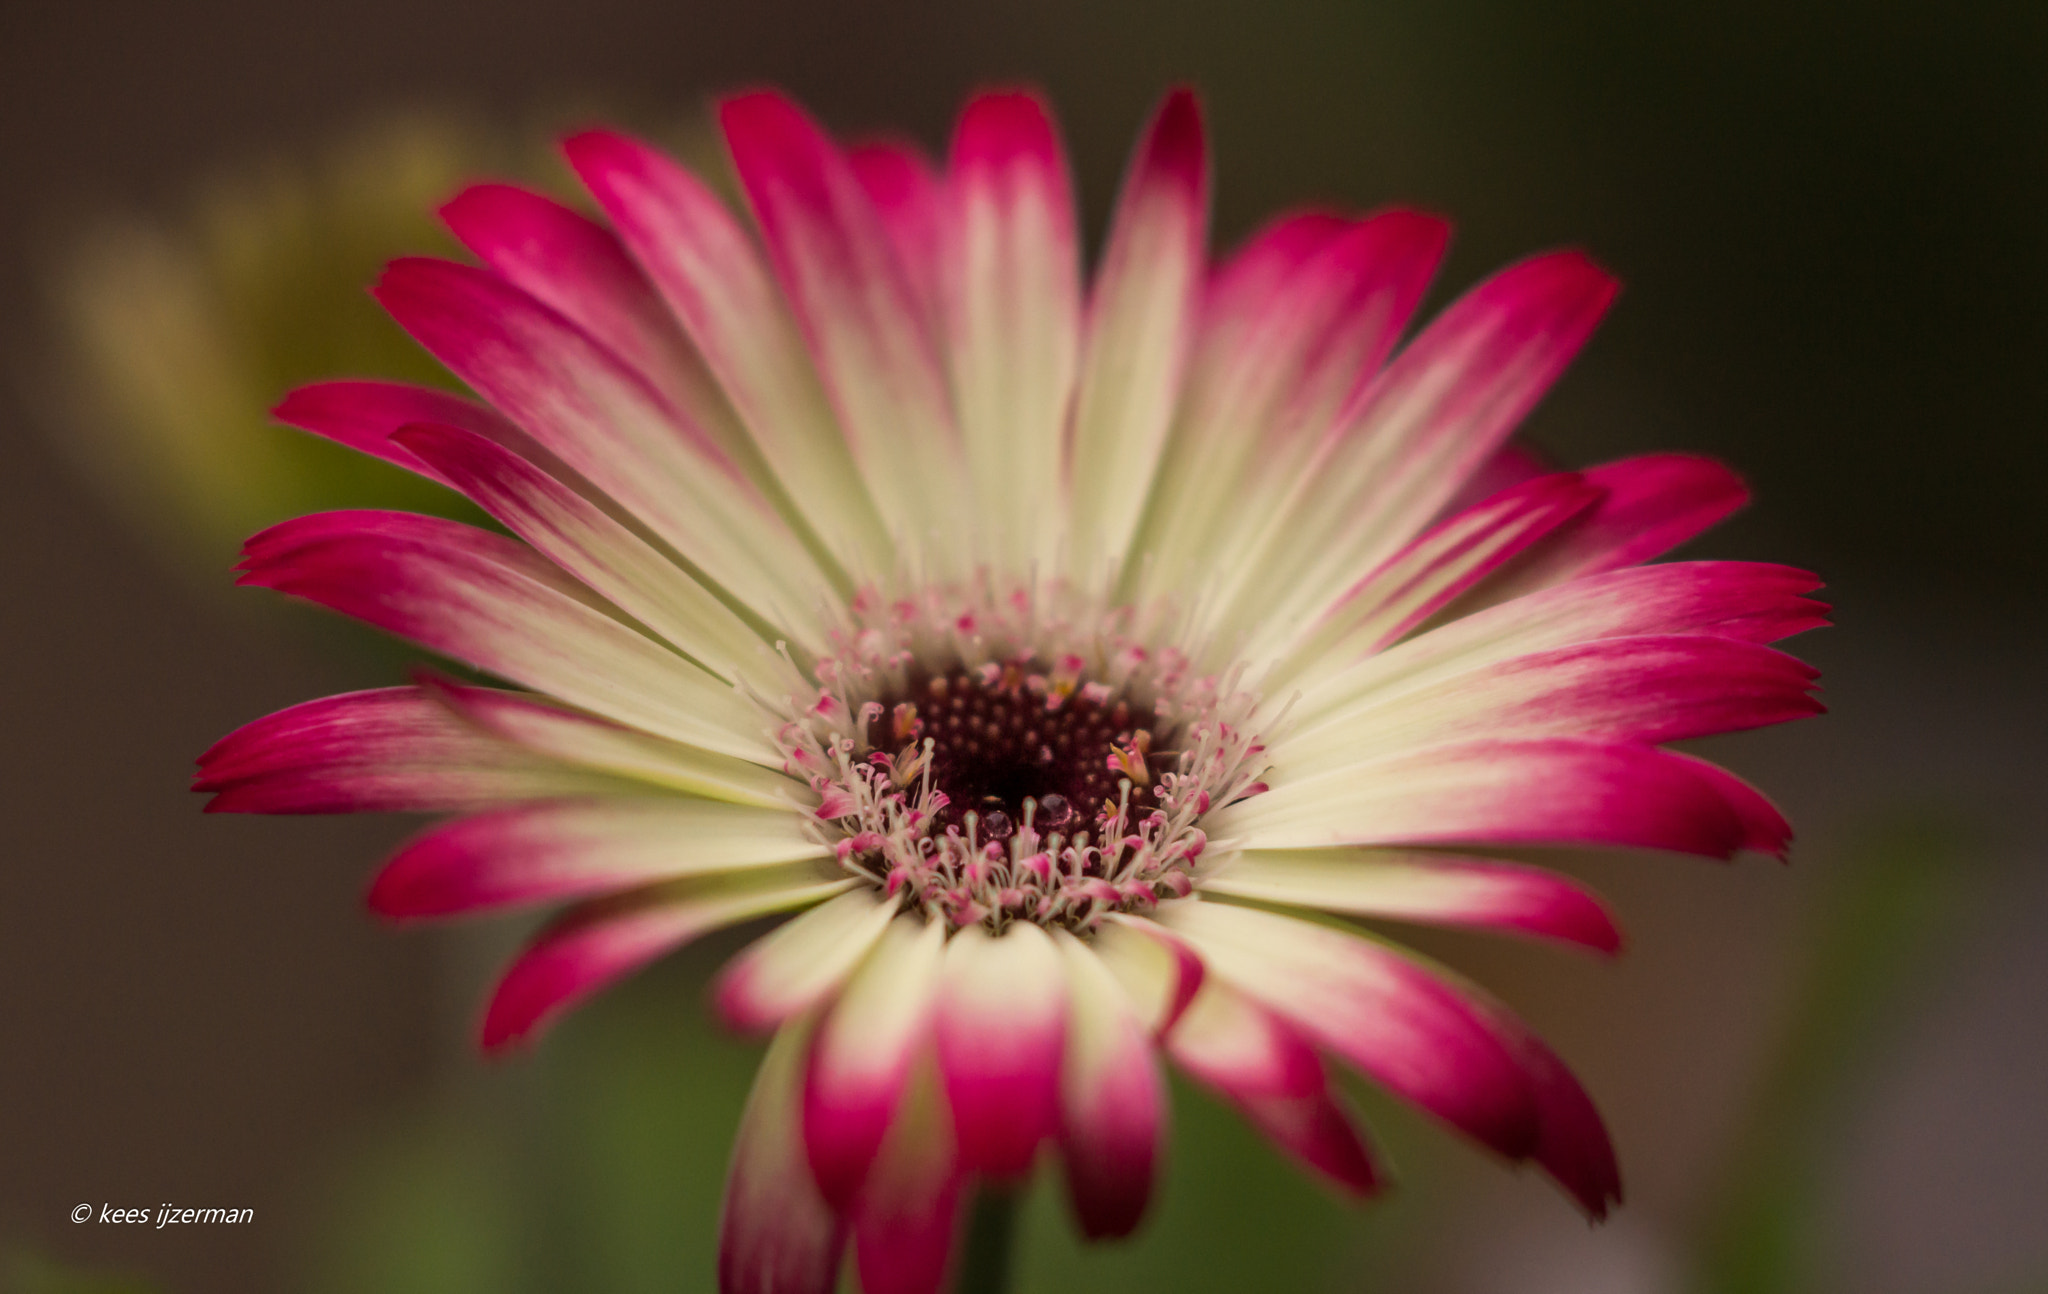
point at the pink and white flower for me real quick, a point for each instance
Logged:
(1049, 648)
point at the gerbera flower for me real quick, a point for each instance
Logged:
(1054, 653)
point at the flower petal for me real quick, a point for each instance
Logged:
(1648, 689)
(1403, 1027)
(1002, 1024)
(535, 725)
(1573, 1146)
(1764, 828)
(1749, 601)
(712, 276)
(777, 1235)
(1112, 1103)
(909, 197)
(493, 603)
(564, 849)
(1539, 792)
(1511, 464)
(1428, 573)
(1013, 316)
(1651, 505)
(1158, 973)
(363, 414)
(860, 315)
(1292, 326)
(572, 264)
(1276, 1080)
(384, 751)
(1430, 420)
(864, 1051)
(610, 424)
(1411, 885)
(614, 562)
(907, 1217)
(1140, 320)
(797, 965)
(593, 944)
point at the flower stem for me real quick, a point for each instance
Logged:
(985, 1266)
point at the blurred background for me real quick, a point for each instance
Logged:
(1831, 226)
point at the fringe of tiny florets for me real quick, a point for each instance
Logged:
(878, 807)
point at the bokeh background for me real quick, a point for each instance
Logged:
(1833, 225)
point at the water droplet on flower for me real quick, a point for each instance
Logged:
(1053, 812)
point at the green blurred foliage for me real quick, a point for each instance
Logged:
(1231, 1214)
(176, 336)
(595, 1163)
(1885, 922)
(180, 335)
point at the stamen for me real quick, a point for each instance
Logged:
(968, 802)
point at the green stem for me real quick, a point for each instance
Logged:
(985, 1266)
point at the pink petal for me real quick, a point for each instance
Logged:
(1439, 889)
(1159, 973)
(1249, 277)
(712, 276)
(1405, 1028)
(860, 313)
(1112, 1103)
(1012, 316)
(1001, 1027)
(1429, 421)
(1653, 504)
(605, 419)
(907, 1217)
(576, 266)
(1535, 792)
(389, 750)
(1764, 828)
(1644, 689)
(1511, 464)
(576, 848)
(863, 1055)
(1293, 324)
(796, 966)
(1276, 1080)
(1347, 304)
(543, 728)
(1140, 323)
(362, 415)
(777, 1235)
(910, 199)
(1499, 348)
(1654, 688)
(1748, 601)
(601, 553)
(1573, 1146)
(1440, 564)
(593, 944)
(493, 603)
(365, 415)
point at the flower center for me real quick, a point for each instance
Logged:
(988, 756)
(1014, 738)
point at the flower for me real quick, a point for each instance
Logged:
(1055, 655)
